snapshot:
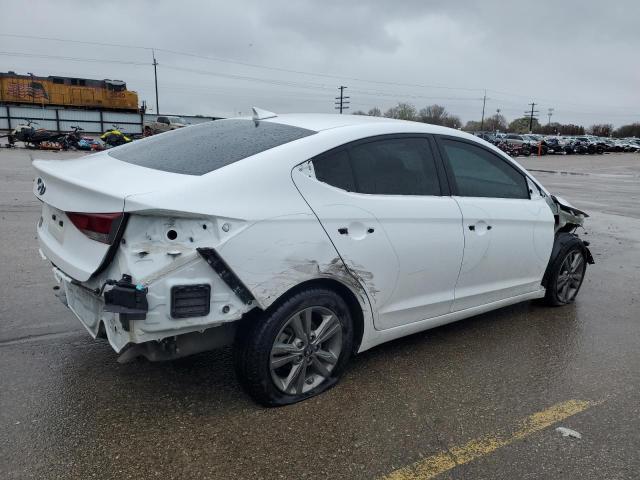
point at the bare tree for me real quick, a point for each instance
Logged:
(452, 121)
(496, 122)
(374, 112)
(402, 111)
(521, 125)
(601, 129)
(438, 115)
(631, 130)
(358, 112)
(435, 114)
(472, 126)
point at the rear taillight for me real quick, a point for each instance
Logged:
(101, 227)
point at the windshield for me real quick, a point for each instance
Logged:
(203, 148)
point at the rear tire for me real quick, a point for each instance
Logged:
(295, 351)
(566, 274)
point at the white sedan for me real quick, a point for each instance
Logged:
(301, 239)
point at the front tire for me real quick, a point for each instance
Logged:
(297, 350)
(566, 274)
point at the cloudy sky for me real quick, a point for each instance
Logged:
(580, 58)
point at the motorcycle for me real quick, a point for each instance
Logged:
(31, 136)
(514, 149)
(114, 137)
(72, 138)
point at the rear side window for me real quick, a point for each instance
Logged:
(203, 148)
(479, 173)
(398, 166)
(335, 169)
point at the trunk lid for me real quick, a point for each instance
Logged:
(95, 184)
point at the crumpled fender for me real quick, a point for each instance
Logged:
(567, 216)
(561, 241)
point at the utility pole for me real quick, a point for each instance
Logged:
(342, 102)
(484, 101)
(549, 113)
(33, 93)
(155, 74)
(533, 113)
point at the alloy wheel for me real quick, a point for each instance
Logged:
(306, 350)
(570, 276)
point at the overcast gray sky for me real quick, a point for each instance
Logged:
(580, 58)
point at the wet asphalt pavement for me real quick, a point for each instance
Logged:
(68, 410)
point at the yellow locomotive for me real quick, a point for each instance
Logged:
(67, 92)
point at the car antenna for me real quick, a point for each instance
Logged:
(259, 114)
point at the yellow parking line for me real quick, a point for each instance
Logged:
(444, 461)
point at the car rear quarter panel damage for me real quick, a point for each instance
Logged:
(275, 255)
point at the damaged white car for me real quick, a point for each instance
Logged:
(301, 239)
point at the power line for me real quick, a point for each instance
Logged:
(262, 66)
(71, 59)
(238, 62)
(279, 69)
(315, 86)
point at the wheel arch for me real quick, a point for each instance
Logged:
(357, 307)
(564, 240)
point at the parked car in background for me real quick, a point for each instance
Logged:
(592, 146)
(305, 239)
(516, 139)
(513, 142)
(635, 142)
(489, 137)
(555, 144)
(536, 143)
(164, 124)
(628, 145)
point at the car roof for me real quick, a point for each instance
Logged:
(325, 121)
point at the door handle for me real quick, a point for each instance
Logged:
(345, 230)
(473, 227)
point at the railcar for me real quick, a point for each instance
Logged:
(68, 92)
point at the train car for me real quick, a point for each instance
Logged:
(67, 92)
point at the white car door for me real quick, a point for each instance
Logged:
(381, 203)
(508, 226)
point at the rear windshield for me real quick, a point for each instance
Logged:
(203, 148)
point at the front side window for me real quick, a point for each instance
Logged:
(397, 166)
(477, 172)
